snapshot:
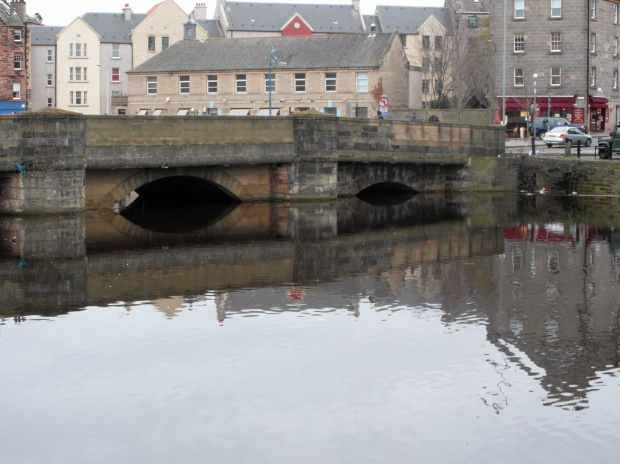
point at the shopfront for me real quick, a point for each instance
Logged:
(599, 113)
(518, 109)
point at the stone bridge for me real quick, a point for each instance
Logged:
(64, 163)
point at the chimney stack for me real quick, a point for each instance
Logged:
(200, 11)
(19, 7)
(127, 12)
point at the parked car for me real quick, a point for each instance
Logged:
(561, 135)
(607, 146)
(543, 125)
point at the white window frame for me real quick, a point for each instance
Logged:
(241, 83)
(151, 85)
(556, 5)
(616, 47)
(78, 54)
(17, 61)
(592, 9)
(50, 102)
(150, 43)
(593, 76)
(519, 9)
(593, 42)
(614, 82)
(555, 80)
(50, 80)
(555, 42)
(616, 11)
(17, 35)
(118, 75)
(165, 42)
(211, 83)
(519, 43)
(17, 91)
(78, 73)
(50, 55)
(331, 82)
(116, 51)
(184, 84)
(361, 81)
(518, 79)
(426, 85)
(299, 82)
(273, 82)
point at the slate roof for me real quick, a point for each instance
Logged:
(212, 26)
(112, 27)
(473, 6)
(372, 19)
(270, 17)
(5, 16)
(310, 52)
(44, 35)
(407, 19)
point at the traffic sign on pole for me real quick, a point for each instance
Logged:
(383, 102)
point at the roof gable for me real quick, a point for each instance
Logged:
(269, 17)
(74, 23)
(296, 26)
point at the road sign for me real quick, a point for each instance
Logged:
(383, 102)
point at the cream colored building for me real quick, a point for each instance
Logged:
(161, 28)
(78, 78)
(231, 76)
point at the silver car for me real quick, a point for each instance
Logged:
(561, 135)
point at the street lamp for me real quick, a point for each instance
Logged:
(275, 55)
(107, 84)
(504, 71)
(534, 118)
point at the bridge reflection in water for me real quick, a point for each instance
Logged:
(476, 258)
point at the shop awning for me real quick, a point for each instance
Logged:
(598, 102)
(522, 101)
(265, 111)
(239, 112)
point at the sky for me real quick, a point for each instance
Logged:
(62, 12)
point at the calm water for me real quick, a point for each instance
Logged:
(480, 329)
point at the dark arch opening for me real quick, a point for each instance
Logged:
(386, 194)
(179, 204)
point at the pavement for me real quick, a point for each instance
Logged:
(523, 147)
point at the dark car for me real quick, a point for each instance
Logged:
(544, 124)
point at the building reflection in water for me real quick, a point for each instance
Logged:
(544, 290)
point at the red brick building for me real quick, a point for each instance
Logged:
(13, 56)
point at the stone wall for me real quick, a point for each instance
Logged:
(33, 147)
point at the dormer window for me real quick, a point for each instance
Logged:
(17, 35)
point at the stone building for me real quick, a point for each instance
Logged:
(571, 46)
(343, 75)
(13, 57)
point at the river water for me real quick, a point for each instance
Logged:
(477, 329)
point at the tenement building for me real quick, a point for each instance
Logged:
(343, 75)
(563, 51)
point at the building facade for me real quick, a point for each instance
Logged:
(343, 75)
(42, 59)
(565, 52)
(13, 57)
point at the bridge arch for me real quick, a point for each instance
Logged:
(214, 176)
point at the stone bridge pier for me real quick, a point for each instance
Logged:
(45, 164)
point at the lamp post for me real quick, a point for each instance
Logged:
(534, 118)
(504, 71)
(107, 84)
(275, 55)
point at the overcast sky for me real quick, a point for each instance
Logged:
(62, 12)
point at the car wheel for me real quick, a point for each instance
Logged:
(604, 152)
(549, 145)
(588, 142)
(541, 134)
